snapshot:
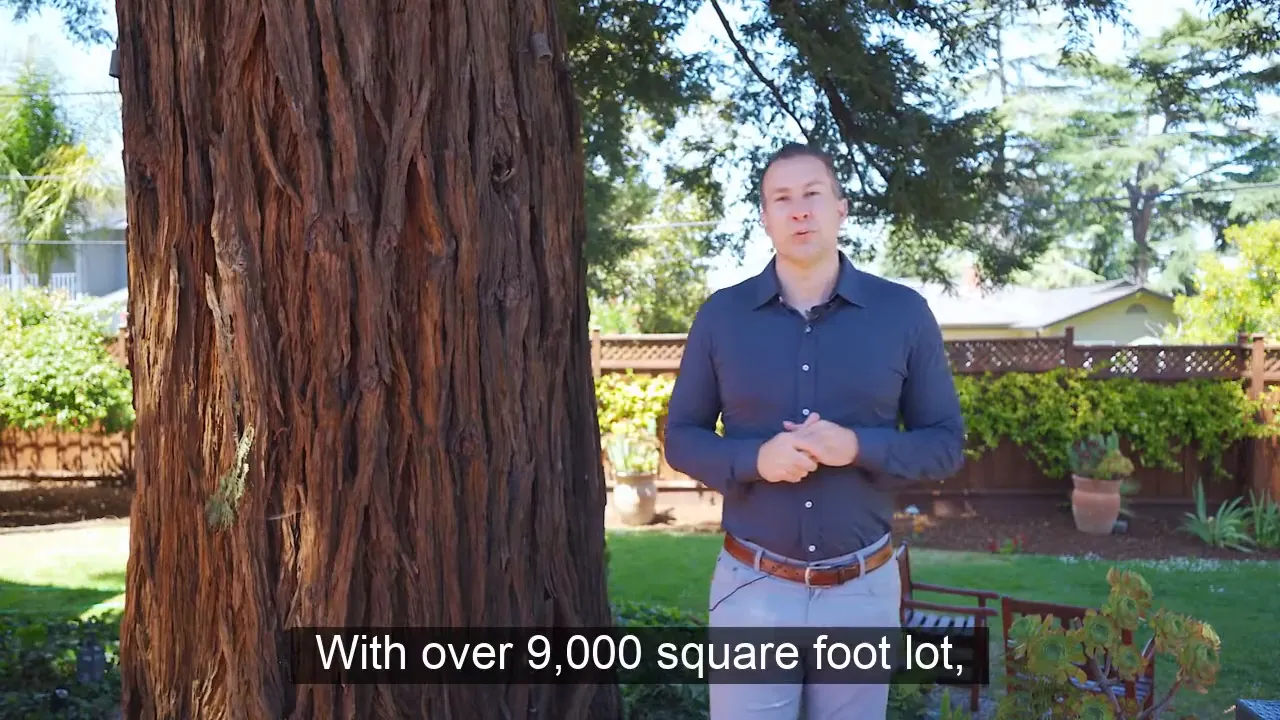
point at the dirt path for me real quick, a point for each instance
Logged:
(1042, 527)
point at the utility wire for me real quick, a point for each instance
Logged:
(83, 93)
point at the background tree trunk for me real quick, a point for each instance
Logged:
(355, 243)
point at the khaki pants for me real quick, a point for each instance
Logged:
(743, 597)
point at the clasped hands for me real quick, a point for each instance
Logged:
(797, 451)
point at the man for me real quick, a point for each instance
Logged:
(812, 364)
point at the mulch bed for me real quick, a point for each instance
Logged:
(1046, 528)
(46, 503)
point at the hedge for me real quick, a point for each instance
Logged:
(1043, 413)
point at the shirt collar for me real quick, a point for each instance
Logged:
(767, 288)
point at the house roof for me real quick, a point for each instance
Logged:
(1021, 307)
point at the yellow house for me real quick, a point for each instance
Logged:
(1116, 312)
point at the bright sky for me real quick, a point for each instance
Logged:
(85, 70)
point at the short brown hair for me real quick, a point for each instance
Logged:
(795, 149)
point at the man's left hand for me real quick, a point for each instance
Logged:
(825, 441)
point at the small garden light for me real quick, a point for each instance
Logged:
(91, 661)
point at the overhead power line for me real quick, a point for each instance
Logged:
(83, 93)
(655, 226)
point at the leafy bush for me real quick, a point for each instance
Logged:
(908, 701)
(669, 701)
(625, 401)
(628, 613)
(1044, 413)
(55, 369)
(59, 668)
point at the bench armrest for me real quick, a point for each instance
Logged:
(979, 612)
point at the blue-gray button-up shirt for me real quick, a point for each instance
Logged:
(871, 359)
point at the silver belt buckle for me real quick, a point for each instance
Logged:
(808, 572)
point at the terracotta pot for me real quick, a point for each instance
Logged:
(635, 497)
(1095, 504)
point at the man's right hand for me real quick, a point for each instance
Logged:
(781, 459)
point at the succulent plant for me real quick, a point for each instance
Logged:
(632, 449)
(1099, 457)
(1050, 659)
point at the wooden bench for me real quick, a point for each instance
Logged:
(1142, 689)
(922, 614)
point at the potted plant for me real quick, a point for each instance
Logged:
(633, 458)
(1099, 471)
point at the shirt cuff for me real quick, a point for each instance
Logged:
(873, 447)
(746, 461)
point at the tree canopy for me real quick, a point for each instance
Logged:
(1135, 148)
(915, 155)
(48, 177)
(1240, 296)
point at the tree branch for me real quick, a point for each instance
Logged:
(1155, 710)
(742, 52)
(1103, 683)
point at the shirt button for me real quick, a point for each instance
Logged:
(812, 549)
(804, 368)
(808, 328)
(805, 412)
(808, 503)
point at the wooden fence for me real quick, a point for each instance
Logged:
(1005, 471)
(1008, 471)
(53, 455)
(1252, 359)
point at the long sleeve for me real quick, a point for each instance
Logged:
(932, 445)
(692, 445)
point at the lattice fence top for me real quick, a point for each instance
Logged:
(1271, 364)
(640, 352)
(661, 353)
(1006, 355)
(1158, 362)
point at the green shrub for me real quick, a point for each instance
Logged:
(668, 701)
(41, 677)
(1044, 413)
(627, 613)
(626, 401)
(55, 369)
(907, 701)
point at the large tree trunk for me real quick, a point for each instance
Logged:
(355, 244)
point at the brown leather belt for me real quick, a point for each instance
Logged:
(825, 577)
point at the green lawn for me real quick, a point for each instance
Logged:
(83, 571)
(1237, 599)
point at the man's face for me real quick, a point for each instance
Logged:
(800, 209)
